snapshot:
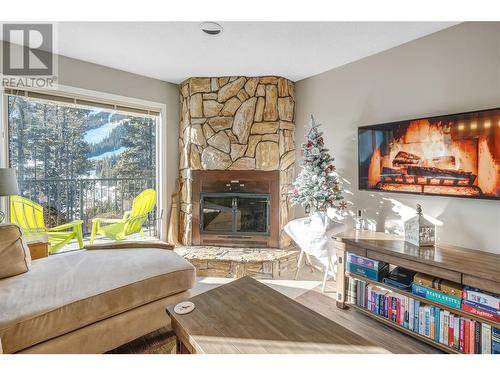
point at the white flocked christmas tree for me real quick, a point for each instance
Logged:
(317, 187)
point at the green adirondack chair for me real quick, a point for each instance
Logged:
(132, 221)
(29, 216)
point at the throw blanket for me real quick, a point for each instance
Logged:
(313, 234)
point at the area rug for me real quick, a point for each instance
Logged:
(162, 341)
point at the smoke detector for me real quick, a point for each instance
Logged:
(211, 28)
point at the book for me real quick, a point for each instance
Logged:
(481, 297)
(408, 303)
(436, 296)
(432, 326)
(461, 345)
(441, 327)
(495, 340)
(400, 278)
(427, 319)
(456, 333)
(451, 330)
(393, 308)
(351, 290)
(485, 338)
(369, 301)
(495, 332)
(495, 347)
(477, 337)
(445, 286)
(472, 308)
(421, 320)
(398, 311)
(411, 314)
(466, 336)
(416, 321)
(446, 318)
(368, 263)
(472, 331)
(369, 273)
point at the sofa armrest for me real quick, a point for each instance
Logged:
(131, 245)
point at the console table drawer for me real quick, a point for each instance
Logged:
(416, 266)
(355, 250)
(477, 282)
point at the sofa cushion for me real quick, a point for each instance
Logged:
(14, 252)
(65, 292)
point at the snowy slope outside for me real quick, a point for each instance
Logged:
(99, 134)
(109, 154)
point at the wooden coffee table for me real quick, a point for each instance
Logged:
(246, 316)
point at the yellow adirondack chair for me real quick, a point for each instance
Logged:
(132, 221)
(29, 216)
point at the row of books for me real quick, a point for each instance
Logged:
(475, 301)
(462, 334)
(483, 304)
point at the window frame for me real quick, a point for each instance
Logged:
(120, 102)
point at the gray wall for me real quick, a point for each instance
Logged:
(451, 71)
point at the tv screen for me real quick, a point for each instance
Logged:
(453, 155)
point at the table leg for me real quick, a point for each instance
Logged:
(181, 348)
(340, 249)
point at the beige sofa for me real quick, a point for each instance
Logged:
(91, 301)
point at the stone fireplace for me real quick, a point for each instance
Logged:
(237, 160)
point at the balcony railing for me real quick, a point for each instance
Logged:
(65, 200)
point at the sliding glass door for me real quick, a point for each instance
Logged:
(81, 162)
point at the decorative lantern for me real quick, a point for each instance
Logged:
(419, 231)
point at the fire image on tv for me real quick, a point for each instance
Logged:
(452, 155)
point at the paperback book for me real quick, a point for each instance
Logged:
(436, 296)
(481, 311)
(485, 299)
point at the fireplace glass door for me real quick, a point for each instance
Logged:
(234, 213)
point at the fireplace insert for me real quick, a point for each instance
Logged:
(231, 213)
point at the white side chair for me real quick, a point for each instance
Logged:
(314, 237)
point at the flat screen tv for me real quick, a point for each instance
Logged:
(453, 155)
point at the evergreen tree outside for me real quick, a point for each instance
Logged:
(138, 159)
(317, 187)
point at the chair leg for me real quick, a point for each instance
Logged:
(95, 228)
(323, 287)
(329, 267)
(334, 271)
(310, 262)
(79, 235)
(299, 264)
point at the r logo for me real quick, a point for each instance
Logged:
(29, 51)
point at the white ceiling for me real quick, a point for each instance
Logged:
(173, 51)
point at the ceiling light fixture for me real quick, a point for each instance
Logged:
(211, 28)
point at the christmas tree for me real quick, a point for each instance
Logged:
(317, 186)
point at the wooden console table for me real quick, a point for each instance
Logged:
(465, 266)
